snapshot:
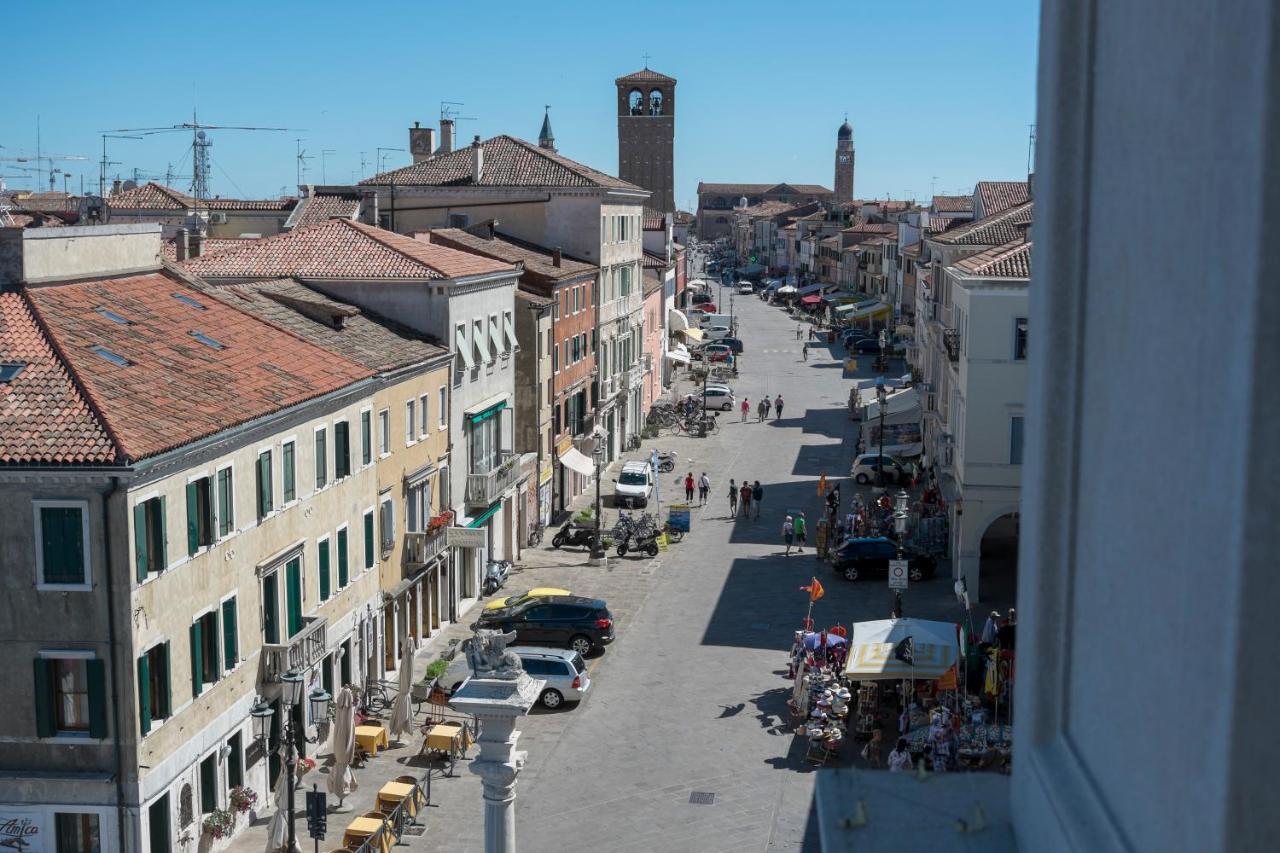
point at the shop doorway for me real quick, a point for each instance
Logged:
(388, 638)
(158, 825)
(998, 562)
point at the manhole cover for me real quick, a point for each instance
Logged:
(702, 798)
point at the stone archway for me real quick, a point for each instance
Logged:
(998, 560)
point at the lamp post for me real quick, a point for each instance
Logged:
(597, 455)
(290, 696)
(900, 502)
(882, 395)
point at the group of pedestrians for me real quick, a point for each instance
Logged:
(762, 409)
(703, 485)
(747, 496)
(795, 531)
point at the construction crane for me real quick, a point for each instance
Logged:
(200, 145)
(45, 158)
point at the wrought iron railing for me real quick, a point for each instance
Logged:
(486, 487)
(299, 654)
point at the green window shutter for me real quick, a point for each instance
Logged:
(289, 488)
(208, 783)
(97, 678)
(323, 548)
(193, 520)
(144, 694)
(62, 545)
(322, 458)
(46, 726)
(271, 608)
(197, 659)
(366, 438)
(342, 558)
(230, 644)
(344, 669)
(265, 498)
(164, 536)
(140, 541)
(341, 449)
(235, 765)
(293, 593)
(166, 672)
(226, 503)
(368, 540)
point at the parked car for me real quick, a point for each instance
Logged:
(700, 298)
(633, 485)
(718, 398)
(522, 597)
(564, 670)
(849, 336)
(716, 352)
(720, 385)
(703, 309)
(858, 558)
(715, 333)
(734, 344)
(866, 465)
(745, 289)
(866, 346)
(567, 621)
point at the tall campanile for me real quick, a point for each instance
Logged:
(647, 135)
(844, 162)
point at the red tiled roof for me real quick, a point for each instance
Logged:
(536, 259)
(752, 189)
(340, 248)
(1012, 260)
(938, 224)
(990, 230)
(44, 419)
(321, 208)
(645, 75)
(999, 196)
(652, 260)
(176, 389)
(952, 203)
(153, 196)
(508, 162)
(212, 246)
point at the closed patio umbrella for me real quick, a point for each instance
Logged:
(278, 828)
(342, 781)
(402, 714)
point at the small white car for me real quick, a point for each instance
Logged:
(745, 289)
(633, 485)
(718, 398)
(715, 333)
(866, 465)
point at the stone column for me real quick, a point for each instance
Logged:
(497, 703)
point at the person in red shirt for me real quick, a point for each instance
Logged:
(688, 487)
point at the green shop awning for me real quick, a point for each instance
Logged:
(488, 513)
(485, 414)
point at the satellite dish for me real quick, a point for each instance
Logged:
(94, 210)
(129, 185)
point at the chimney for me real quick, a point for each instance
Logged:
(477, 160)
(180, 244)
(197, 243)
(369, 207)
(422, 142)
(115, 187)
(555, 256)
(446, 136)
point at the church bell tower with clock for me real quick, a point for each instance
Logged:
(844, 162)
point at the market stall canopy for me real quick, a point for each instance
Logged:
(698, 284)
(872, 650)
(875, 309)
(692, 334)
(576, 460)
(810, 288)
(677, 320)
(811, 300)
(901, 401)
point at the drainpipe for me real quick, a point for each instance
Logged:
(115, 669)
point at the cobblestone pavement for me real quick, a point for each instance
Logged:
(690, 697)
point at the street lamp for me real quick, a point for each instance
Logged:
(597, 454)
(290, 696)
(900, 502)
(882, 396)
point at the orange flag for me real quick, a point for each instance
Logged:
(815, 590)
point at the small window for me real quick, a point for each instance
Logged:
(226, 503)
(206, 340)
(366, 437)
(322, 457)
(114, 317)
(341, 450)
(1020, 339)
(77, 832)
(384, 432)
(9, 370)
(442, 407)
(266, 499)
(200, 517)
(368, 540)
(423, 404)
(288, 474)
(463, 348)
(62, 535)
(410, 431)
(149, 537)
(387, 525)
(1015, 440)
(480, 339)
(114, 358)
(209, 784)
(63, 683)
(187, 300)
(230, 634)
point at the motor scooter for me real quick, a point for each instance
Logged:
(495, 575)
(570, 535)
(666, 460)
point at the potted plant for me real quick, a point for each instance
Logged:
(219, 823)
(243, 798)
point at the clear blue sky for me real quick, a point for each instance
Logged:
(943, 89)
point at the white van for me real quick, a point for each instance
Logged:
(634, 485)
(715, 320)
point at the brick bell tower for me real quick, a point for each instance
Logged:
(844, 162)
(646, 135)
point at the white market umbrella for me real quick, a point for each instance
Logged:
(278, 828)
(402, 714)
(799, 693)
(342, 781)
(873, 644)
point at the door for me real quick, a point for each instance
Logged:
(271, 608)
(158, 825)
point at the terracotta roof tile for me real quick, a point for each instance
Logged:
(645, 75)
(314, 209)
(340, 248)
(508, 162)
(501, 247)
(938, 224)
(44, 419)
(999, 196)
(751, 189)
(990, 230)
(952, 203)
(175, 388)
(212, 246)
(1012, 260)
(153, 196)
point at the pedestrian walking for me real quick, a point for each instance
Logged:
(746, 409)
(688, 487)
(704, 488)
(788, 534)
(804, 350)
(797, 331)
(733, 499)
(745, 494)
(900, 758)
(799, 527)
(757, 495)
(777, 406)
(763, 408)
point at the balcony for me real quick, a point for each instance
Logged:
(299, 654)
(951, 340)
(421, 547)
(485, 488)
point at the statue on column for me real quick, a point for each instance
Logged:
(488, 655)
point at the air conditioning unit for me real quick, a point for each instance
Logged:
(218, 218)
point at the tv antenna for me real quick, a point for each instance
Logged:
(1031, 147)
(302, 159)
(45, 158)
(105, 164)
(449, 110)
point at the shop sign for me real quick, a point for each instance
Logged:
(563, 447)
(467, 537)
(22, 829)
(897, 574)
(545, 476)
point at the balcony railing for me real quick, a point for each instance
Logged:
(299, 654)
(951, 340)
(486, 487)
(422, 547)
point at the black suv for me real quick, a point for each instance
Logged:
(858, 558)
(578, 623)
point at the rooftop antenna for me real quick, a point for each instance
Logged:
(364, 162)
(382, 158)
(324, 164)
(105, 163)
(1031, 147)
(302, 158)
(933, 184)
(450, 110)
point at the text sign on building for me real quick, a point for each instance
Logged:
(897, 574)
(467, 537)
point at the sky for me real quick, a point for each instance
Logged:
(940, 94)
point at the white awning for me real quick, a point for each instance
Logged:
(692, 334)
(576, 460)
(679, 356)
(677, 320)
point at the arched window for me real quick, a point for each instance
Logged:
(655, 102)
(636, 102)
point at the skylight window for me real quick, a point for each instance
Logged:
(9, 370)
(182, 297)
(114, 358)
(113, 316)
(206, 340)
